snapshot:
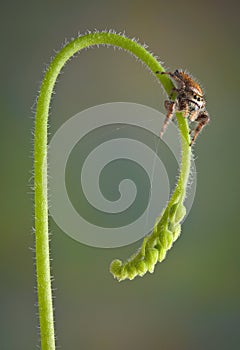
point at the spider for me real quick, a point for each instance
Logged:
(189, 99)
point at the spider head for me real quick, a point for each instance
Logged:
(197, 98)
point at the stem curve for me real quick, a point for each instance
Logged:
(40, 172)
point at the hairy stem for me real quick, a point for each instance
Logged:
(40, 162)
(167, 228)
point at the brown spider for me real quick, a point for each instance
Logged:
(189, 99)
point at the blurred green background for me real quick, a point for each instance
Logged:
(192, 299)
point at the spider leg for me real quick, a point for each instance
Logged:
(175, 76)
(202, 120)
(168, 73)
(170, 106)
(172, 75)
(183, 107)
(193, 116)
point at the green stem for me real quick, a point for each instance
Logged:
(186, 158)
(167, 228)
(40, 161)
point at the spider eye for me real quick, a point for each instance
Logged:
(197, 98)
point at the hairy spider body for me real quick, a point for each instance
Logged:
(188, 98)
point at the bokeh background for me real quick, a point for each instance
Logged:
(192, 299)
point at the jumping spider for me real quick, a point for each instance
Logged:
(189, 99)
